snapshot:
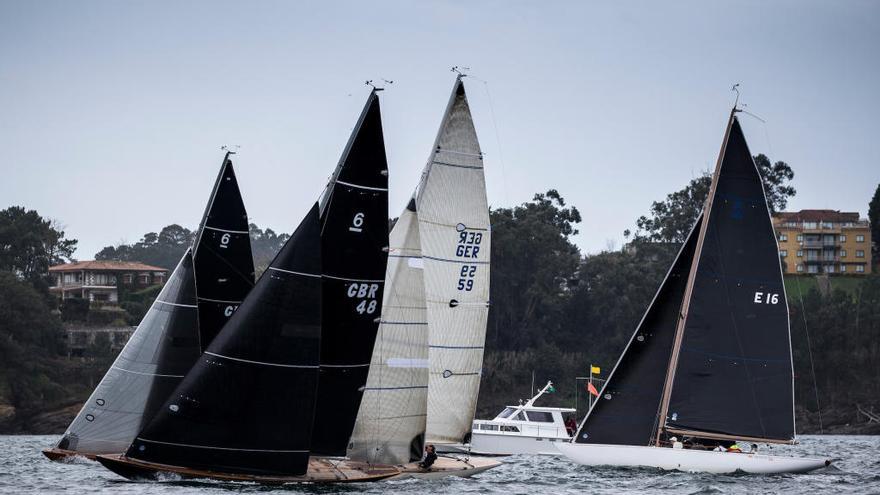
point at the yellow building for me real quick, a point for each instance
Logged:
(823, 241)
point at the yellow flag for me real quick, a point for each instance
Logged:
(595, 370)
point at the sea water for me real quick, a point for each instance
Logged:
(856, 469)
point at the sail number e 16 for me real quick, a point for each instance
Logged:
(766, 298)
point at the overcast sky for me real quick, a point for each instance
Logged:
(112, 114)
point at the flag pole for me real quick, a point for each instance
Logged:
(591, 383)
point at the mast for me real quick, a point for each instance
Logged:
(685, 304)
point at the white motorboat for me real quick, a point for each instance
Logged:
(522, 429)
(710, 363)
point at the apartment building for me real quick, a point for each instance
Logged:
(823, 241)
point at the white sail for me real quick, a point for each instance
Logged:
(453, 215)
(390, 425)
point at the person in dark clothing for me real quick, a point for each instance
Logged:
(429, 457)
(570, 426)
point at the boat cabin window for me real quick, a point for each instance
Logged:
(520, 417)
(540, 416)
(485, 426)
(507, 412)
(509, 428)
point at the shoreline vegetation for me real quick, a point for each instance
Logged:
(554, 311)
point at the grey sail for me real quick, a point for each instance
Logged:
(149, 367)
(390, 426)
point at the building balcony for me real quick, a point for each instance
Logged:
(820, 244)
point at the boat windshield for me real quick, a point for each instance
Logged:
(540, 416)
(507, 412)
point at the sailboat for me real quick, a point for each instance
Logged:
(710, 362)
(425, 372)
(252, 408)
(174, 331)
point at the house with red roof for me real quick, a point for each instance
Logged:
(99, 281)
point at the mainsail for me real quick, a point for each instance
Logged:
(222, 256)
(390, 426)
(176, 328)
(711, 358)
(626, 411)
(733, 378)
(162, 349)
(247, 405)
(354, 247)
(455, 243)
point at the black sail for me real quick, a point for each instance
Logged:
(625, 413)
(247, 405)
(152, 363)
(354, 240)
(734, 372)
(223, 259)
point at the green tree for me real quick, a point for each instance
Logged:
(265, 244)
(163, 249)
(671, 220)
(533, 266)
(874, 219)
(30, 334)
(30, 244)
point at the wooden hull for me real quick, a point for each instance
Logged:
(703, 461)
(447, 466)
(56, 454)
(319, 471)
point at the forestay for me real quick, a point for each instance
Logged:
(453, 218)
(390, 427)
(246, 407)
(152, 363)
(354, 246)
(222, 256)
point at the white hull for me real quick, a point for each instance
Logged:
(686, 459)
(447, 466)
(501, 444)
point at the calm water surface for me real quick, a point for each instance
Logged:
(857, 470)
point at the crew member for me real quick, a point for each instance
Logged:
(429, 457)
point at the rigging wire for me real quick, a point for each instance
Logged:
(497, 135)
(810, 352)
